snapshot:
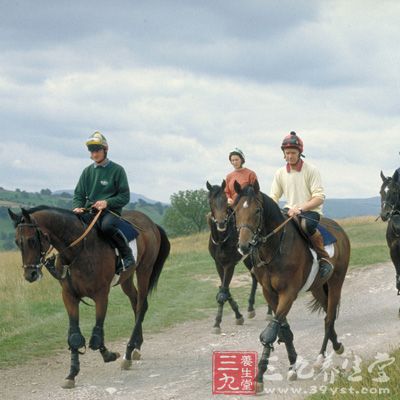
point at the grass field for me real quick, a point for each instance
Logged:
(33, 321)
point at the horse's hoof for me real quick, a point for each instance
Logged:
(319, 362)
(292, 375)
(126, 364)
(240, 321)
(269, 317)
(251, 314)
(136, 354)
(68, 384)
(340, 350)
(259, 387)
(216, 330)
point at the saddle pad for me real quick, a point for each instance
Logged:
(326, 235)
(330, 249)
(128, 230)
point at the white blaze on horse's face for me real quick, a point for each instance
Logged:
(246, 204)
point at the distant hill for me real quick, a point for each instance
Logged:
(63, 199)
(135, 197)
(343, 208)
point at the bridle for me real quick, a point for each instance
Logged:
(393, 205)
(258, 238)
(227, 219)
(43, 249)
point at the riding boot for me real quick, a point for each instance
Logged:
(123, 248)
(325, 263)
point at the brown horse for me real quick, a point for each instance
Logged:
(390, 211)
(222, 246)
(284, 262)
(87, 269)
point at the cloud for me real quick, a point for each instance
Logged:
(176, 85)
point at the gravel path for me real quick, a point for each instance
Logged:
(176, 363)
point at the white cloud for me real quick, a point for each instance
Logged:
(174, 100)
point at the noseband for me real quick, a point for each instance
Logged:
(257, 237)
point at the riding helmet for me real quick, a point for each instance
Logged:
(97, 140)
(292, 141)
(237, 152)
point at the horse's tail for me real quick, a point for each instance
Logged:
(316, 305)
(163, 253)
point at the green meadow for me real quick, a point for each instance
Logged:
(33, 322)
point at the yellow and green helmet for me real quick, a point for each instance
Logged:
(97, 141)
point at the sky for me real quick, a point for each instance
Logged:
(176, 85)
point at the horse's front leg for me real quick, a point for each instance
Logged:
(278, 326)
(97, 339)
(75, 339)
(251, 312)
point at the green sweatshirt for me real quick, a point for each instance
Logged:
(107, 182)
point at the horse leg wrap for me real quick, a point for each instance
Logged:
(285, 334)
(97, 339)
(223, 295)
(75, 339)
(270, 333)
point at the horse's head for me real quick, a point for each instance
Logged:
(218, 205)
(390, 196)
(32, 242)
(249, 215)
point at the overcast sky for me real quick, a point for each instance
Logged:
(175, 85)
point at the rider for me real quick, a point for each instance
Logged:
(103, 185)
(301, 185)
(242, 175)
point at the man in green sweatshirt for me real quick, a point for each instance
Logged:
(103, 185)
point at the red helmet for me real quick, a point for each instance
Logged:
(292, 141)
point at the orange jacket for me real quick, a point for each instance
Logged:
(244, 176)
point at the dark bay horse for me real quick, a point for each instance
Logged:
(222, 246)
(284, 262)
(87, 270)
(390, 211)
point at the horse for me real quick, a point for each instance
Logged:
(284, 262)
(222, 246)
(390, 211)
(86, 269)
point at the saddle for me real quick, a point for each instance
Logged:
(326, 235)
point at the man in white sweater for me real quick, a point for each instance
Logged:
(301, 185)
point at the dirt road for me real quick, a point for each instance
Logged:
(176, 364)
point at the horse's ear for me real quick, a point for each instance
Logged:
(237, 187)
(14, 217)
(25, 214)
(383, 177)
(223, 184)
(396, 176)
(256, 186)
(209, 187)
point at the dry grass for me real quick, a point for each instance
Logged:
(194, 243)
(359, 221)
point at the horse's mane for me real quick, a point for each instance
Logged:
(50, 208)
(215, 191)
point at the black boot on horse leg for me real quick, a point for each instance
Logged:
(325, 263)
(123, 248)
(267, 339)
(75, 342)
(97, 343)
(285, 335)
